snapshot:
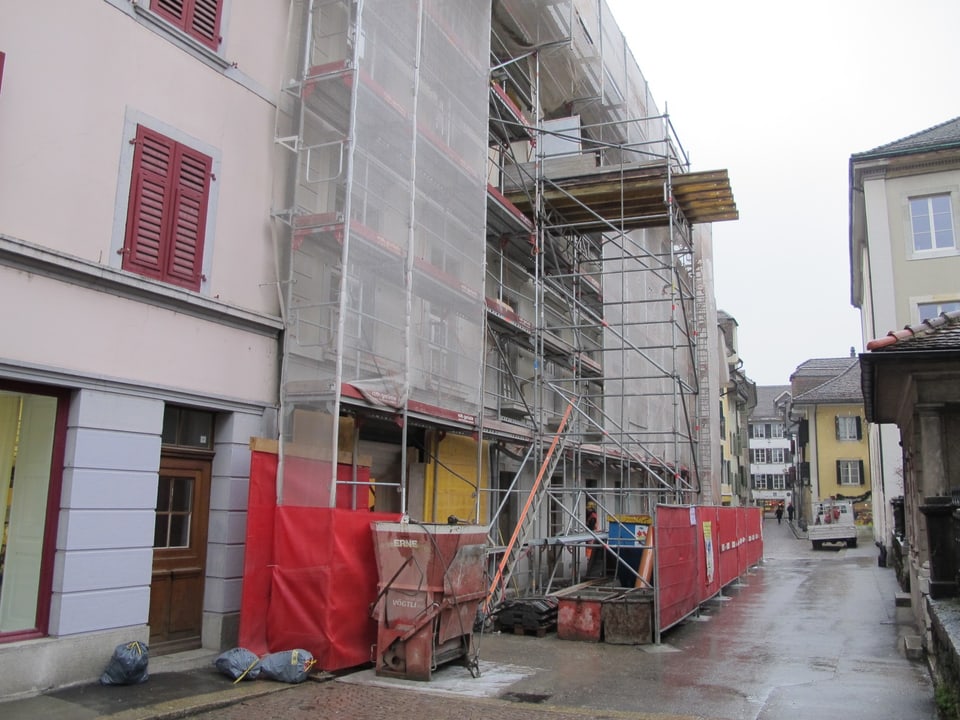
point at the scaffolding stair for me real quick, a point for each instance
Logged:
(704, 456)
(521, 532)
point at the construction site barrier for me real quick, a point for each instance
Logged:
(699, 551)
(678, 553)
(310, 574)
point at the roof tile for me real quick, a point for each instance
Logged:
(946, 134)
(939, 333)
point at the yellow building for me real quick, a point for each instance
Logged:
(834, 443)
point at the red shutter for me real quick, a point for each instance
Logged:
(148, 208)
(167, 213)
(189, 218)
(173, 11)
(200, 19)
(205, 23)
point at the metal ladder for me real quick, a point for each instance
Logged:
(702, 334)
(521, 532)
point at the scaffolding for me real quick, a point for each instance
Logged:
(489, 249)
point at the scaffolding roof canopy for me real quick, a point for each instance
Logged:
(633, 196)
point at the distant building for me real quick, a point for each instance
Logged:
(904, 260)
(833, 443)
(770, 459)
(738, 398)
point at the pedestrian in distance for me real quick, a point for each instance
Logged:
(779, 513)
(790, 512)
(591, 520)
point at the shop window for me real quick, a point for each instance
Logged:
(32, 431)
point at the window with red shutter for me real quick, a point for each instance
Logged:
(200, 19)
(167, 211)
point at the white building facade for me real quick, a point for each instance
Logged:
(770, 457)
(140, 315)
(904, 261)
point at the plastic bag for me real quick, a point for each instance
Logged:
(128, 666)
(290, 666)
(238, 664)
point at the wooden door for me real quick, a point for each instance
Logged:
(179, 554)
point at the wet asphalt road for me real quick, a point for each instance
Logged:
(808, 634)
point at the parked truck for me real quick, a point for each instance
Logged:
(833, 522)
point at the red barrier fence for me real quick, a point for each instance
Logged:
(699, 551)
(678, 552)
(310, 574)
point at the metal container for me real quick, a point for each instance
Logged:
(431, 581)
(579, 611)
(628, 618)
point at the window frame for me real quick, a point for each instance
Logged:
(850, 465)
(848, 428)
(939, 305)
(179, 190)
(125, 177)
(52, 515)
(930, 215)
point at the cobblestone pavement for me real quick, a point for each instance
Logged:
(334, 699)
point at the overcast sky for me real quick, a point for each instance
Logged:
(781, 96)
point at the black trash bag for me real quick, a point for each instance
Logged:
(128, 666)
(239, 664)
(291, 666)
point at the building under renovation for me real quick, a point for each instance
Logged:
(495, 267)
(432, 259)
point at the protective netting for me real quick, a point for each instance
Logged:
(384, 287)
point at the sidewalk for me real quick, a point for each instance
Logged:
(179, 685)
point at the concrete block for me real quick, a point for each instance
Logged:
(913, 647)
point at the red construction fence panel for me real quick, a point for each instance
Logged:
(710, 522)
(677, 552)
(699, 550)
(728, 538)
(310, 576)
(753, 536)
(258, 552)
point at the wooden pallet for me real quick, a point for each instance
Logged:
(533, 632)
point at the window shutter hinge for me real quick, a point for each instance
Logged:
(213, 177)
(203, 277)
(133, 141)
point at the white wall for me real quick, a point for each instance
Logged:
(75, 68)
(105, 539)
